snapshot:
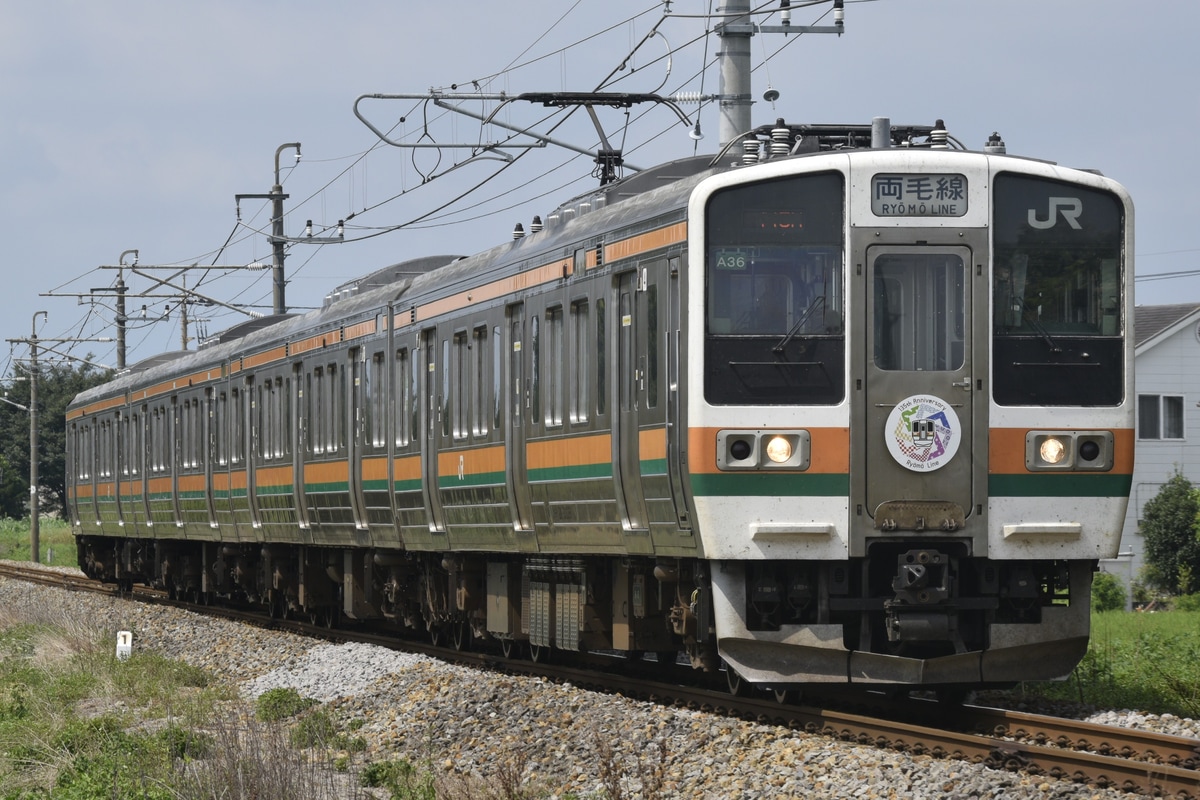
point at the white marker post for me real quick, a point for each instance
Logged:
(124, 645)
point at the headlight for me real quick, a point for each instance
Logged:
(779, 449)
(1074, 451)
(762, 450)
(1052, 450)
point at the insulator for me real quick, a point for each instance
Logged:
(995, 144)
(939, 136)
(536, 225)
(750, 151)
(781, 140)
(519, 231)
(687, 97)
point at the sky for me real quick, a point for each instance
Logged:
(135, 124)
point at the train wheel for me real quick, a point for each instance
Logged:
(325, 616)
(738, 686)
(666, 658)
(460, 635)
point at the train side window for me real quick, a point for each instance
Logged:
(237, 427)
(580, 365)
(155, 442)
(265, 419)
(553, 372)
(497, 367)
(221, 435)
(445, 399)
(601, 357)
(316, 412)
(652, 345)
(285, 415)
(461, 388)
(534, 364)
(377, 388)
(403, 398)
(135, 445)
(336, 419)
(478, 408)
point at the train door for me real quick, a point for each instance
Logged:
(919, 473)
(355, 449)
(516, 410)
(630, 369)
(431, 425)
(676, 427)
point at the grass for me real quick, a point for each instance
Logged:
(1144, 661)
(56, 541)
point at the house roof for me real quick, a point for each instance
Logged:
(1150, 321)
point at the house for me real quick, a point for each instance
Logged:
(1167, 375)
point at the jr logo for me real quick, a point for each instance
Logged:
(1069, 207)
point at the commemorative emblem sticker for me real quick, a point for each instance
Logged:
(922, 433)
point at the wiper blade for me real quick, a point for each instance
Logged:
(818, 302)
(1037, 326)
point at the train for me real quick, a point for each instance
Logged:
(844, 404)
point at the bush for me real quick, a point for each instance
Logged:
(1108, 593)
(276, 704)
(1187, 602)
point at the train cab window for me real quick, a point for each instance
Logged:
(552, 373)
(1057, 280)
(580, 364)
(919, 308)
(775, 292)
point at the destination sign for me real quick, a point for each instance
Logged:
(910, 194)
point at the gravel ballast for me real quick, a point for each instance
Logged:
(560, 739)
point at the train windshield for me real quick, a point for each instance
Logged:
(1057, 286)
(774, 330)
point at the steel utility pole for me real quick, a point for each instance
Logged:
(278, 240)
(735, 31)
(34, 490)
(121, 307)
(34, 500)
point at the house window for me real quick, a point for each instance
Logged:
(1160, 416)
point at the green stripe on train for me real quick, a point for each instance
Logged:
(1049, 484)
(574, 472)
(466, 481)
(766, 484)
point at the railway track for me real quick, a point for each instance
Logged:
(1137, 761)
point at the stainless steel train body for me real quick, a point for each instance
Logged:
(850, 414)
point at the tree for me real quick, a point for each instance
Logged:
(1169, 529)
(1108, 594)
(58, 383)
